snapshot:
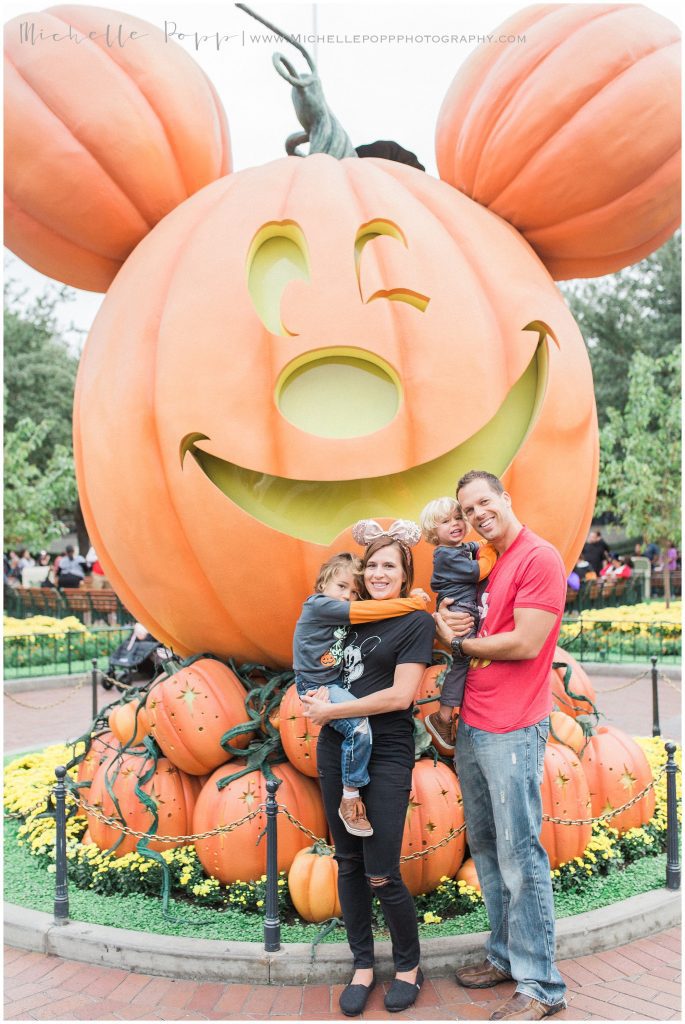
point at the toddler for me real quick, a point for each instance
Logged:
(318, 662)
(458, 567)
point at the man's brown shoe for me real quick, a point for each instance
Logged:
(353, 814)
(523, 1007)
(442, 733)
(483, 975)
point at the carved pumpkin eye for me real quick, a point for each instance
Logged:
(277, 255)
(366, 234)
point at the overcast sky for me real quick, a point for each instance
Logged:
(387, 89)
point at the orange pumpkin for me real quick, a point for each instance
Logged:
(574, 695)
(565, 730)
(260, 443)
(191, 710)
(435, 810)
(128, 127)
(129, 722)
(565, 794)
(616, 770)
(313, 884)
(574, 137)
(429, 687)
(299, 735)
(173, 791)
(103, 746)
(467, 873)
(234, 855)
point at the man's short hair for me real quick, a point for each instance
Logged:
(481, 474)
(69, 550)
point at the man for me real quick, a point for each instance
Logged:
(595, 550)
(70, 572)
(500, 748)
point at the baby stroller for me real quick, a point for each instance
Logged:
(134, 659)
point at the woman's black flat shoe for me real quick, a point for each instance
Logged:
(353, 998)
(402, 994)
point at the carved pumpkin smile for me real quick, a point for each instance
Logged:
(316, 511)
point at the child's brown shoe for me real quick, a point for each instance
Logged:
(442, 733)
(353, 814)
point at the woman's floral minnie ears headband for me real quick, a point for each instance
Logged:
(402, 530)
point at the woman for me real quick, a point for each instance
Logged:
(384, 662)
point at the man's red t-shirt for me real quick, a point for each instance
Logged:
(502, 696)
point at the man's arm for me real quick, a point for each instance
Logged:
(532, 626)
(394, 698)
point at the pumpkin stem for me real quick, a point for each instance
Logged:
(322, 130)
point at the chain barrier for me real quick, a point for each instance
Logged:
(609, 814)
(624, 686)
(45, 707)
(122, 687)
(116, 824)
(669, 682)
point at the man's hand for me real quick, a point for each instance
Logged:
(459, 623)
(316, 709)
(442, 629)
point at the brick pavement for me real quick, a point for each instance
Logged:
(638, 981)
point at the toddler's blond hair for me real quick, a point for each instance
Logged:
(331, 568)
(439, 508)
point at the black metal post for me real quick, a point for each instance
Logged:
(272, 926)
(94, 687)
(61, 915)
(672, 838)
(656, 728)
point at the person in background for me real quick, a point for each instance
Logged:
(71, 572)
(573, 581)
(595, 550)
(652, 552)
(100, 581)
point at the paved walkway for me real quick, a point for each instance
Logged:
(639, 981)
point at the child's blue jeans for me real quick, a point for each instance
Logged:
(356, 732)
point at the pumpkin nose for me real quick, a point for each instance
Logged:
(338, 393)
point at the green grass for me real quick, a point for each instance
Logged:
(29, 885)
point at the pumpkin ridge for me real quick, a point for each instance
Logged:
(568, 120)
(390, 312)
(157, 320)
(472, 259)
(71, 131)
(539, 234)
(553, 46)
(225, 167)
(134, 81)
(62, 239)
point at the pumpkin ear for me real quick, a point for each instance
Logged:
(108, 127)
(570, 130)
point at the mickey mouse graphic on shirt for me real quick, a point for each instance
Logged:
(353, 657)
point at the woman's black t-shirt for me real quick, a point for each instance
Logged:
(372, 652)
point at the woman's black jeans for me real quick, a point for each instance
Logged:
(371, 866)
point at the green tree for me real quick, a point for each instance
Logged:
(34, 496)
(39, 369)
(41, 501)
(640, 474)
(635, 310)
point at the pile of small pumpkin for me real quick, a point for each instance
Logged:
(179, 759)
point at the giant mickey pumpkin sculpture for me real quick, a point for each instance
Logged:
(305, 343)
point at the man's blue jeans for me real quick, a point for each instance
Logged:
(500, 776)
(356, 732)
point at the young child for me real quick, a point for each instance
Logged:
(458, 567)
(318, 662)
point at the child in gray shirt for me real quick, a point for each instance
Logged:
(318, 663)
